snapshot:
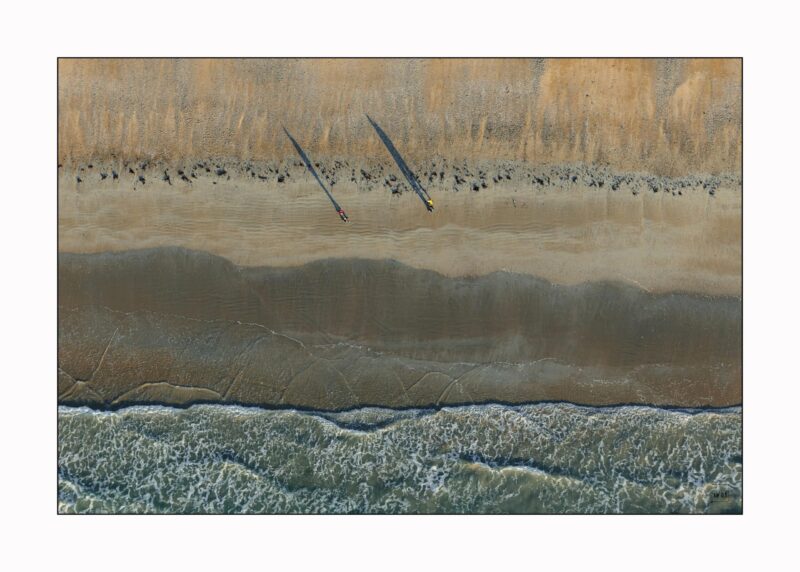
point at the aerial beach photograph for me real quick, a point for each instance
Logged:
(399, 286)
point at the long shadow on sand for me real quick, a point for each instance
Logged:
(310, 167)
(404, 168)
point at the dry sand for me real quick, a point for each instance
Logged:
(565, 234)
(666, 117)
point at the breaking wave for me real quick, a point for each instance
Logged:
(540, 458)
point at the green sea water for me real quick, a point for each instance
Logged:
(541, 458)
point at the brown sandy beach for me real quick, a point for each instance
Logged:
(585, 246)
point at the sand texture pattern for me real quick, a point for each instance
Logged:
(666, 117)
(585, 245)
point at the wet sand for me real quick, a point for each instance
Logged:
(176, 326)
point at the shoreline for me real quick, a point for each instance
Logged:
(251, 408)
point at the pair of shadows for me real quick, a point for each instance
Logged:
(404, 168)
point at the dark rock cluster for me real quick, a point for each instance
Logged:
(436, 174)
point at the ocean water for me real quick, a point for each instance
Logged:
(542, 458)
